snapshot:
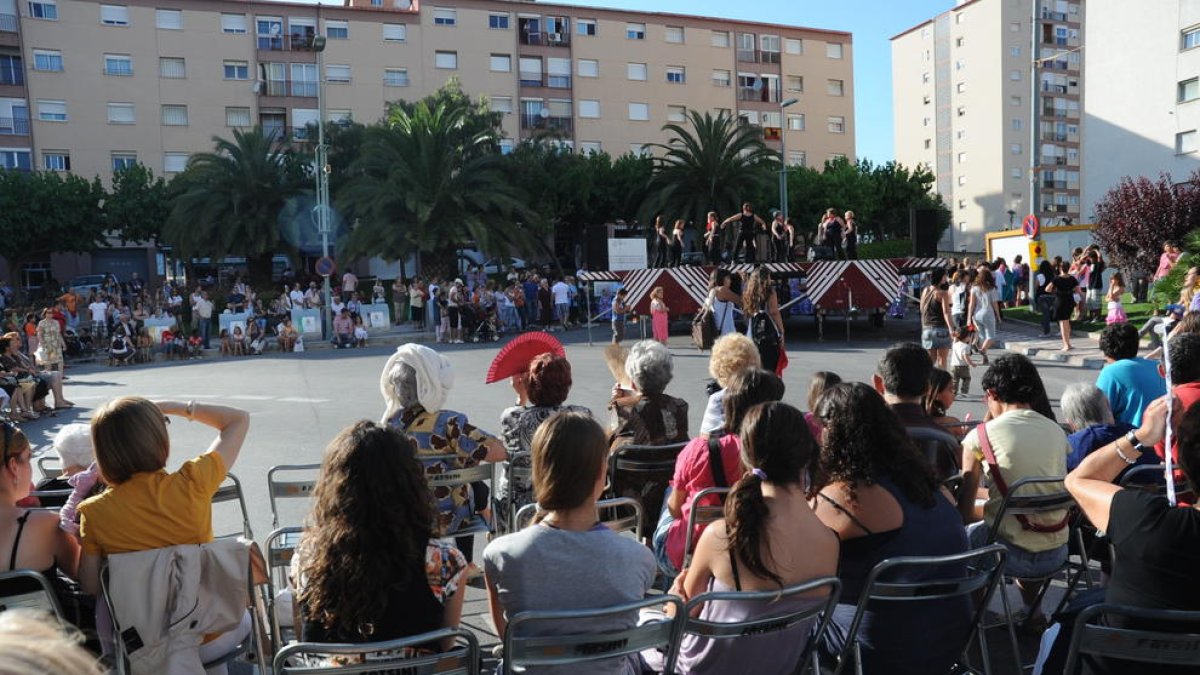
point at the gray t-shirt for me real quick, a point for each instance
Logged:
(542, 568)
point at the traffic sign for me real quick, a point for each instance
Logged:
(1030, 226)
(325, 266)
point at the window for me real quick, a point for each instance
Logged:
(21, 160)
(962, 180)
(925, 122)
(589, 147)
(1015, 101)
(639, 112)
(720, 38)
(118, 64)
(530, 71)
(337, 30)
(835, 87)
(52, 111)
(123, 160)
(836, 125)
(636, 71)
(269, 30)
(928, 143)
(120, 113)
(639, 149)
(174, 162)
(444, 16)
(304, 79)
(835, 156)
(962, 111)
(1185, 142)
(43, 9)
(56, 160)
(1015, 173)
(114, 15)
(237, 70)
(960, 18)
(1014, 75)
(960, 64)
(558, 73)
(1017, 124)
(588, 68)
(172, 67)
(1014, 50)
(341, 116)
(395, 32)
(502, 104)
(233, 23)
(635, 31)
(770, 46)
(49, 60)
(395, 77)
(1189, 90)
(676, 113)
(168, 19)
(501, 63)
(1190, 37)
(237, 117)
(772, 119)
(585, 26)
(445, 60)
(1014, 148)
(958, 42)
(925, 78)
(962, 158)
(795, 122)
(1014, 27)
(833, 50)
(961, 87)
(498, 20)
(793, 46)
(960, 134)
(337, 73)
(798, 158)
(675, 35)
(676, 75)
(589, 109)
(721, 78)
(174, 115)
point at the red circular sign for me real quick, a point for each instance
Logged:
(1030, 226)
(325, 266)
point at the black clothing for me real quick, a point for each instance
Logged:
(1064, 296)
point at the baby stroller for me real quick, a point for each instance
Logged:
(478, 324)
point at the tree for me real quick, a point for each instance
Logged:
(42, 213)
(138, 205)
(1136, 217)
(231, 199)
(711, 165)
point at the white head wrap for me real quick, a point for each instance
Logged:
(434, 378)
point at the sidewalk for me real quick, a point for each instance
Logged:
(1026, 338)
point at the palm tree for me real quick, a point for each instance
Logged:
(712, 166)
(232, 198)
(429, 179)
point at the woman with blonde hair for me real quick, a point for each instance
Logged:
(850, 236)
(731, 355)
(659, 314)
(33, 643)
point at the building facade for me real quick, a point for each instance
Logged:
(977, 89)
(88, 87)
(1141, 121)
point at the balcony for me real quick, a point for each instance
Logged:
(305, 88)
(8, 23)
(539, 123)
(300, 42)
(1053, 161)
(1054, 88)
(768, 57)
(546, 39)
(747, 55)
(1054, 16)
(529, 79)
(759, 94)
(1054, 137)
(1054, 184)
(558, 81)
(274, 88)
(14, 126)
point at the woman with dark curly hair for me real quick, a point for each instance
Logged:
(879, 495)
(370, 568)
(765, 325)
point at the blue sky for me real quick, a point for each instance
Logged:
(872, 22)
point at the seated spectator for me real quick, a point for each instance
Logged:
(255, 340)
(343, 330)
(73, 445)
(18, 386)
(938, 400)
(694, 469)
(287, 335)
(146, 507)
(821, 381)
(80, 472)
(1184, 352)
(31, 538)
(11, 359)
(33, 643)
(237, 341)
(567, 560)
(360, 331)
(372, 569)
(902, 378)
(881, 499)
(1086, 411)
(226, 343)
(195, 345)
(1023, 444)
(415, 383)
(1129, 382)
(731, 354)
(771, 539)
(541, 392)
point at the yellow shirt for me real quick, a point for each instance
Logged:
(154, 509)
(1027, 444)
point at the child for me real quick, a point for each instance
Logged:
(659, 314)
(144, 345)
(1116, 291)
(360, 331)
(821, 381)
(960, 362)
(377, 294)
(226, 347)
(619, 309)
(237, 341)
(441, 308)
(194, 344)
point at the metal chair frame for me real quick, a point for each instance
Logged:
(230, 491)
(278, 550)
(30, 589)
(45, 464)
(1139, 645)
(463, 659)
(278, 489)
(459, 478)
(516, 475)
(617, 523)
(702, 514)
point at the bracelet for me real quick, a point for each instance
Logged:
(190, 410)
(1117, 447)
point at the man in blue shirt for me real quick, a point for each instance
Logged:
(1129, 382)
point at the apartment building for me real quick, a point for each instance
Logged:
(87, 86)
(969, 103)
(1143, 120)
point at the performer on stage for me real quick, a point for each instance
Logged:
(748, 225)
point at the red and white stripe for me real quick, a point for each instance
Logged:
(693, 280)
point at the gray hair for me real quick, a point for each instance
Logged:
(649, 366)
(406, 385)
(1084, 405)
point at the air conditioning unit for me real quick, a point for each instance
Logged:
(554, 37)
(258, 86)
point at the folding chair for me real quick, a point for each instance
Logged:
(1152, 478)
(702, 514)
(231, 491)
(392, 656)
(526, 651)
(609, 515)
(50, 466)
(27, 589)
(279, 487)
(631, 467)
(771, 621)
(517, 475)
(278, 551)
(954, 484)
(451, 480)
(940, 448)
(983, 568)
(1140, 645)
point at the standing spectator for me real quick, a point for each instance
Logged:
(456, 299)
(400, 300)
(295, 295)
(765, 324)
(50, 343)
(1095, 282)
(99, 311)
(1130, 383)
(312, 297)
(619, 310)
(1063, 287)
(983, 310)
(70, 303)
(1116, 307)
(530, 288)
(545, 301)
(936, 317)
(561, 294)
(723, 301)
(416, 303)
(203, 311)
(1043, 300)
(349, 285)
(1020, 281)
(377, 293)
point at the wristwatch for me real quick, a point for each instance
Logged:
(1138, 446)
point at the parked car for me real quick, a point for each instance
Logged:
(82, 285)
(490, 267)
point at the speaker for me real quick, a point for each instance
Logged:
(596, 247)
(922, 230)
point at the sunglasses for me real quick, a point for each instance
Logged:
(10, 431)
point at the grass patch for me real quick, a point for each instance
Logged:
(1137, 312)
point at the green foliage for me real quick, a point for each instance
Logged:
(891, 248)
(138, 204)
(1138, 215)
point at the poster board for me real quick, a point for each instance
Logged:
(627, 254)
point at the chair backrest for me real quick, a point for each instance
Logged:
(50, 466)
(28, 589)
(523, 651)
(644, 458)
(702, 514)
(282, 484)
(940, 448)
(1152, 478)
(769, 621)
(459, 477)
(392, 656)
(610, 514)
(278, 550)
(1160, 646)
(231, 491)
(1021, 500)
(954, 484)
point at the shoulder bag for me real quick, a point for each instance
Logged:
(985, 446)
(704, 326)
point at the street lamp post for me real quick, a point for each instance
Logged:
(783, 164)
(322, 208)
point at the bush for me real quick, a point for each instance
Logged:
(892, 248)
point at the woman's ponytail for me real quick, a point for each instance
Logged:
(746, 513)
